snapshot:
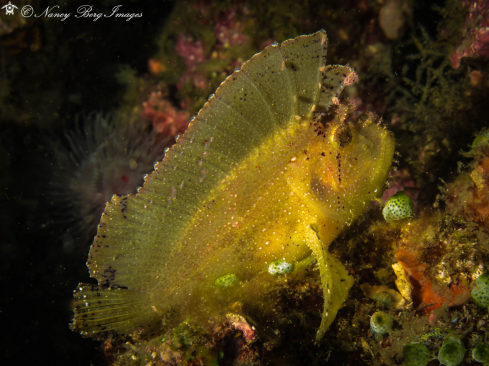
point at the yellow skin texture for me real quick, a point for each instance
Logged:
(291, 192)
(282, 211)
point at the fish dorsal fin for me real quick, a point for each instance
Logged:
(275, 88)
(304, 57)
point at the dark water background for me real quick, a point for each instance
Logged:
(38, 269)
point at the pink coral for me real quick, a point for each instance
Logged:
(475, 33)
(403, 183)
(164, 116)
(351, 79)
(229, 31)
(240, 323)
(192, 52)
(193, 55)
(197, 79)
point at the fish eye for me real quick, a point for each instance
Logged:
(340, 136)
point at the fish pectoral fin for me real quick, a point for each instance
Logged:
(336, 283)
(102, 309)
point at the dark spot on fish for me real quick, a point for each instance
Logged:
(291, 66)
(108, 276)
(305, 99)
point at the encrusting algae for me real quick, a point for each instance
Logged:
(272, 168)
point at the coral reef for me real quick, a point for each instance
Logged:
(422, 66)
(441, 254)
(383, 295)
(432, 94)
(433, 108)
(419, 249)
(165, 118)
(467, 195)
(221, 341)
(475, 32)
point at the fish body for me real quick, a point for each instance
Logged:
(271, 168)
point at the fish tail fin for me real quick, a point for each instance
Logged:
(104, 309)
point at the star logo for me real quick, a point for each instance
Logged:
(9, 8)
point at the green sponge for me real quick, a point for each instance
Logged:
(280, 267)
(481, 298)
(227, 280)
(483, 281)
(480, 295)
(481, 140)
(452, 352)
(399, 206)
(416, 354)
(481, 352)
(381, 322)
